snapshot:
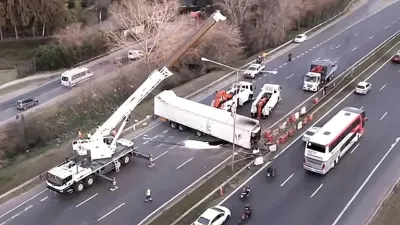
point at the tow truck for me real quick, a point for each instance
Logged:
(266, 101)
(102, 152)
(240, 93)
(321, 72)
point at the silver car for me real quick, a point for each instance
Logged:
(310, 132)
(23, 104)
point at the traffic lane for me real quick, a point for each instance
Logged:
(163, 180)
(296, 154)
(387, 174)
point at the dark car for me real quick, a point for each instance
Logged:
(25, 103)
(396, 58)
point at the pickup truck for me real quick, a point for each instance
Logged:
(253, 70)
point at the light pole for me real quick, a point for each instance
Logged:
(235, 103)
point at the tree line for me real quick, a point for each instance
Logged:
(30, 18)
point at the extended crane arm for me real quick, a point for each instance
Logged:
(95, 145)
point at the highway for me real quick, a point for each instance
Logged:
(178, 167)
(296, 196)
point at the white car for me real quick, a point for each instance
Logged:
(363, 88)
(216, 215)
(310, 132)
(300, 38)
(135, 54)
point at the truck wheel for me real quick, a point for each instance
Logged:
(181, 127)
(78, 187)
(264, 116)
(199, 134)
(126, 159)
(173, 124)
(89, 181)
(251, 97)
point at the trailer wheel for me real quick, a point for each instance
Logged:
(173, 124)
(89, 181)
(199, 133)
(126, 159)
(78, 187)
(181, 127)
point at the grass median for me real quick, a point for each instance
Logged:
(380, 57)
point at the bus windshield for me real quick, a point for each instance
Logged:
(64, 78)
(316, 147)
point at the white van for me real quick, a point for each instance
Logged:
(71, 77)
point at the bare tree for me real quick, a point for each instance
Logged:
(72, 35)
(3, 19)
(13, 14)
(236, 9)
(142, 22)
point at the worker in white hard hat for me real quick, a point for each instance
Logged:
(148, 195)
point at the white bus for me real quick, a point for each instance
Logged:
(71, 77)
(324, 149)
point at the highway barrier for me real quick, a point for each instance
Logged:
(32, 182)
(306, 117)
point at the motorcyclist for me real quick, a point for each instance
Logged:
(246, 190)
(247, 210)
(290, 56)
(271, 171)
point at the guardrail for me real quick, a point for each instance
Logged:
(340, 81)
(146, 120)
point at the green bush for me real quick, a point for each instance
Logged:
(56, 56)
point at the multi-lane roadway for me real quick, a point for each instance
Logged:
(350, 192)
(177, 167)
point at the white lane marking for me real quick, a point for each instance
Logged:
(280, 67)
(386, 27)
(184, 163)
(259, 78)
(300, 136)
(365, 182)
(184, 190)
(22, 204)
(306, 52)
(122, 204)
(170, 148)
(371, 37)
(44, 198)
(302, 53)
(27, 208)
(290, 76)
(275, 69)
(86, 200)
(383, 116)
(355, 148)
(354, 49)
(393, 22)
(362, 107)
(165, 131)
(285, 64)
(310, 49)
(16, 215)
(284, 182)
(160, 155)
(315, 192)
(145, 142)
(338, 46)
(159, 145)
(383, 87)
(356, 35)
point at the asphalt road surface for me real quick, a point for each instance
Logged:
(178, 167)
(296, 196)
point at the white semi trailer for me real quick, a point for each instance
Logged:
(182, 113)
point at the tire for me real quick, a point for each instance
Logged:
(181, 127)
(173, 124)
(199, 133)
(79, 187)
(125, 159)
(251, 97)
(89, 181)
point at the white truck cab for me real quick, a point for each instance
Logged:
(311, 81)
(266, 101)
(241, 93)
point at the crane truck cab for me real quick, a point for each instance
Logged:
(321, 72)
(266, 101)
(240, 93)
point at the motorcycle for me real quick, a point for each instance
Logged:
(244, 194)
(271, 174)
(244, 217)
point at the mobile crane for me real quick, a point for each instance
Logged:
(102, 152)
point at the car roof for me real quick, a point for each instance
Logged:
(23, 99)
(363, 83)
(301, 35)
(210, 214)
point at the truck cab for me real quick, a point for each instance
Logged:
(311, 81)
(321, 72)
(266, 101)
(240, 93)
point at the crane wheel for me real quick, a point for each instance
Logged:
(181, 127)
(89, 181)
(79, 186)
(199, 134)
(126, 159)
